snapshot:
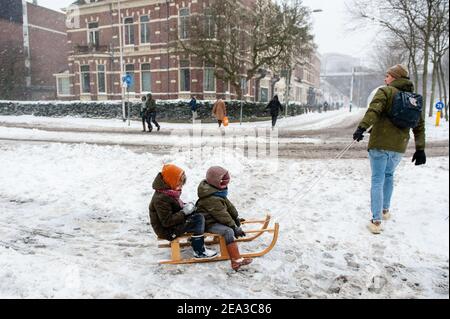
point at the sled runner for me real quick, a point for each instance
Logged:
(215, 239)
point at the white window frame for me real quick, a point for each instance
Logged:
(244, 86)
(82, 80)
(209, 22)
(125, 26)
(141, 77)
(190, 76)
(149, 30)
(95, 31)
(58, 91)
(134, 77)
(98, 81)
(180, 24)
(209, 68)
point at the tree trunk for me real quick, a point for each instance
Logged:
(433, 87)
(416, 76)
(444, 86)
(426, 56)
(438, 76)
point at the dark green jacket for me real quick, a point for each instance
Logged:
(385, 135)
(151, 106)
(215, 209)
(166, 216)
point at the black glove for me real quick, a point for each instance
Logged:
(419, 157)
(238, 232)
(237, 222)
(358, 135)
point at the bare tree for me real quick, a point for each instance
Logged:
(240, 41)
(439, 44)
(411, 21)
(387, 53)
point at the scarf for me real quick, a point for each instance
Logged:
(173, 194)
(222, 193)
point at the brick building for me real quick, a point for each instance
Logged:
(144, 29)
(94, 71)
(33, 47)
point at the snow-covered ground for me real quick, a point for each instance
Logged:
(74, 223)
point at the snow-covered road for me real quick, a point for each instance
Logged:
(74, 223)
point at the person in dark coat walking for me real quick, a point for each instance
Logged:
(151, 113)
(143, 112)
(194, 106)
(274, 107)
(170, 217)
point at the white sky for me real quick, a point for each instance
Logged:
(330, 30)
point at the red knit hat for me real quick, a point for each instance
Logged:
(172, 176)
(218, 177)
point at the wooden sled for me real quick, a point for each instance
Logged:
(212, 239)
(176, 244)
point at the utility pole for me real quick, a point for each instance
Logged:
(351, 88)
(121, 64)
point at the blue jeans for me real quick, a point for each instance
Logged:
(383, 165)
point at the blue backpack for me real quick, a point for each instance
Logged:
(406, 109)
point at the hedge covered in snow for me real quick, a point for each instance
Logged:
(167, 109)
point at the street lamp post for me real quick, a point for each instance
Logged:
(121, 64)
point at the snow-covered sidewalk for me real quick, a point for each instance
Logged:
(74, 223)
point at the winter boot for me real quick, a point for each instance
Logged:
(386, 214)
(375, 227)
(236, 260)
(200, 252)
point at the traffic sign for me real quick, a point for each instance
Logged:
(439, 105)
(127, 80)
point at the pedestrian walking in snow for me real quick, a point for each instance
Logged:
(151, 113)
(274, 107)
(194, 106)
(143, 112)
(219, 111)
(388, 143)
(221, 217)
(170, 217)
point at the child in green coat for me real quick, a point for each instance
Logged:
(221, 217)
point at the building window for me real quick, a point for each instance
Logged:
(129, 69)
(85, 79)
(244, 86)
(209, 83)
(209, 25)
(101, 78)
(94, 34)
(184, 23)
(264, 95)
(146, 78)
(145, 29)
(129, 31)
(63, 86)
(185, 76)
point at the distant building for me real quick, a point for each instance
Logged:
(33, 47)
(304, 85)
